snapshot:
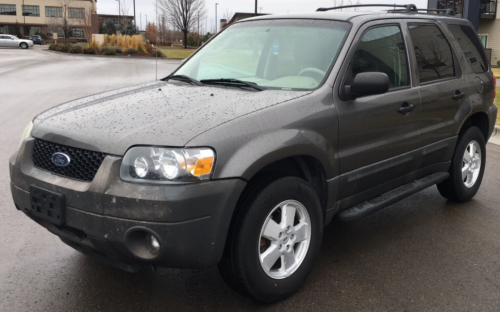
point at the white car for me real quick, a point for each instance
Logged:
(13, 41)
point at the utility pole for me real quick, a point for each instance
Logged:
(256, 6)
(216, 17)
(135, 20)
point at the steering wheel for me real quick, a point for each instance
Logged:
(313, 73)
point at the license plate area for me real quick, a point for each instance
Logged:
(48, 205)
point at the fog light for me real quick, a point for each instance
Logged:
(153, 244)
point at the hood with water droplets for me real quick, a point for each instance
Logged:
(157, 113)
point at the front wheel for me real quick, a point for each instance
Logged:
(467, 167)
(275, 240)
(24, 45)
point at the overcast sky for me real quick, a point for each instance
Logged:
(147, 7)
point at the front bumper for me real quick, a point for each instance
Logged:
(191, 221)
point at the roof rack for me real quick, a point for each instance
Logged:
(446, 12)
(406, 8)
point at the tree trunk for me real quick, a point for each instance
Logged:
(185, 39)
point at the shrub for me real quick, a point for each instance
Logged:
(498, 63)
(64, 48)
(117, 49)
(140, 49)
(76, 49)
(149, 48)
(94, 46)
(53, 47)
(89, 50)
(131, 51)
(109, 51)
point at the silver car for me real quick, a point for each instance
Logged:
(10, 41)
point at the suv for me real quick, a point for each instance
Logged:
(252, 146)
(37, 39)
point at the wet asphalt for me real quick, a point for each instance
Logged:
(421, 254)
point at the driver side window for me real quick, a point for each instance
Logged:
(381, 49)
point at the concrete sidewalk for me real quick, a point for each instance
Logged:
(495, 137)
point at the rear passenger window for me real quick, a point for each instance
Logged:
(381, 49)
(471, 46)
(433, 53)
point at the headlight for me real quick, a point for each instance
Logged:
(163, 165)
(26, 133)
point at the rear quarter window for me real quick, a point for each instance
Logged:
(433, 53)
(471, 46)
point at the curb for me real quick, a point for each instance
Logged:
(496, 130)
(112, 56)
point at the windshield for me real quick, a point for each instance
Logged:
(284, 54)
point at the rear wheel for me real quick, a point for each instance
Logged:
(23, 45)
(467, 167)
(275, 240)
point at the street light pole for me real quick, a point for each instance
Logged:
(119, 9)
(135, 20)
(216, 17)
(256, 6)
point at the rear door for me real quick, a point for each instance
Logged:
(444, 90)
(376, 140)
(3, 41)
(475, 63)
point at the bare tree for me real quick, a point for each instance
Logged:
(346, 2)
(87, 25)
(65, 22)
(183, 14)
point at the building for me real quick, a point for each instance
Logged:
(483, 15)
(118, 20)
(30, 17)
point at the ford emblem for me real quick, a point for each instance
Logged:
(60, 159)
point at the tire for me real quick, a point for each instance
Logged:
(462, 188)
(23, 45)
(255, 266)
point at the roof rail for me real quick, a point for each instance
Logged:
(409, 8)
(446, 12)
(406, 8)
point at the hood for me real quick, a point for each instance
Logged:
(157, 113)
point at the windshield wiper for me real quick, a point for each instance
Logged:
(233, 82)
(183, 78)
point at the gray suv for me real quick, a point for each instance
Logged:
(243, 154)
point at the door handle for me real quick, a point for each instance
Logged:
(406, 108)
(458, 95)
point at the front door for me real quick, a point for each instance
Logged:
(377, 136)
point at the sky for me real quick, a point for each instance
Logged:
(147, 7)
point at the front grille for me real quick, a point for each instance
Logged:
(83, 166)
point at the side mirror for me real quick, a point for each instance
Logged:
(369, 83)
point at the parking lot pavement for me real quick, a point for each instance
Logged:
(421, 254)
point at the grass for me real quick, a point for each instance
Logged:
(176, 53)
(496, 72)
(497, 104)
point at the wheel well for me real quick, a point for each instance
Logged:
(479, 120)
(304, 167)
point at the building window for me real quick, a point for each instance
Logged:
(76, 13)
(7, 9)
(455, 5)
(76, 33)
(32, 30)
(7, 29)
(53, 12)
(31, 10)
(484, 40)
